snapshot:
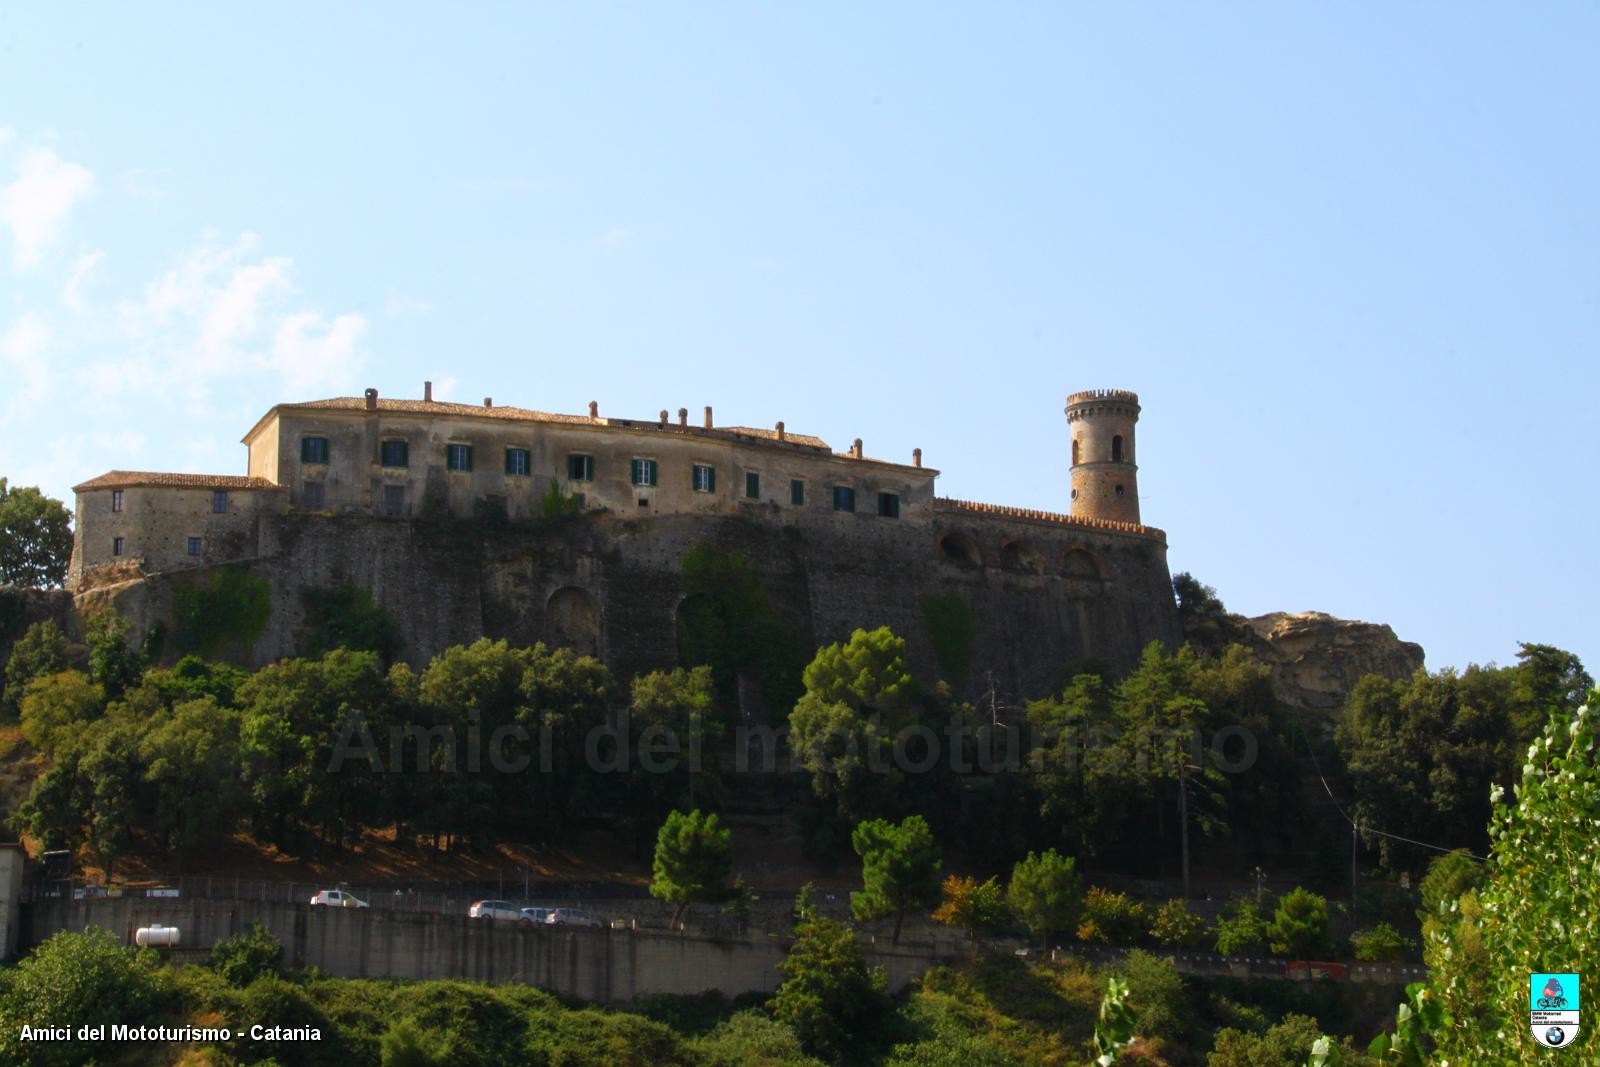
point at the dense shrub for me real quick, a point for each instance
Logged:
(243, 958)
(1381, 944)
(75, 980)
(1112, 917)
(1174, 924)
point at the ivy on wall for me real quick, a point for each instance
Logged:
(347, 616)
(220, 612)
(953, 632)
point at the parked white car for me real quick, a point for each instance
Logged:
(337, 898)
(572, 917)
(535, 915)
(494, 909)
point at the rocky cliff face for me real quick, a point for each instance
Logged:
(1316, 659)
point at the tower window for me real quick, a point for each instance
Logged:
(1074, 451)
(313, 450)
(1074, 494)
(1116, 449)
(1120, 490)
(116, 500)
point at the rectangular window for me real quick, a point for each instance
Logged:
(844, 498)
(458, 457)
(311, 498)
(752, 485)
(518, 462)
(194, 546)
(116, 500)
(580, 468)
(313, 450)
(705, 478)
(219, 502)
(117, 545)
(797, 492)
(889, 505)
(394, 500)
(394, 453)
(644, 472)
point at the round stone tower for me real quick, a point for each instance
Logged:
(1105, 482)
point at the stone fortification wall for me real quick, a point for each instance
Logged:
(1046, 594)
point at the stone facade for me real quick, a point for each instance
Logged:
(1047, 590)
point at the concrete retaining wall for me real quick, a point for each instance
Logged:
(604, 966)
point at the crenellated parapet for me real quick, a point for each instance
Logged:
(1034, 515)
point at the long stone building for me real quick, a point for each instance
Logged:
(442, 510)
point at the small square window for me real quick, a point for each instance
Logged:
(644, 472)
(313, 450)
(116, 500)
(752, 485)
(194, 546)
(580, 468)
(517, 461)
(394, 500)
(118, 544)
(219, 502)
(797, 492)
(889, 505)
(458, 457)
(311, 496)
(844, 498)
(394, 453)
(705, 478)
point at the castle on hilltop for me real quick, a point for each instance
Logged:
(346, 490)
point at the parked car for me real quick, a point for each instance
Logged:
(535, 915)
(337, 898)
(494, 909)
(571, 917)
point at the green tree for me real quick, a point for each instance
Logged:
(1240, 928)
(190, 751)
(41, 650)
(672, 723)
(829, 996)
(1299, 925)
(1046, 893)
(693, 861)
(899, 870)
(113, 663)
(75, 980)
(1449, 878)
(35, 538)
(1540, 877)
(857, 695)
(244, 957)
(1381, 944)
(56, 706)
(1195, 600)
(1111, 917)
(1175, 925)
(727, 622)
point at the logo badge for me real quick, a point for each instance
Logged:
(1553, 1002)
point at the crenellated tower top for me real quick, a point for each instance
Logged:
(1105, 481)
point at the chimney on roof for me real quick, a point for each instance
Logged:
(488, 401)
(916, 457)
(683, 416)
(427, 391)
(855, 448)
(663, 418)
(708, 416)
(594, 409)
(372, 400)
(780, 430)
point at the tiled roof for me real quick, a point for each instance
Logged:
(140, 479)
(440, 407)
(772, 435)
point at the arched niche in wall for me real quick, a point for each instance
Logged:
(1020, 556)
(961, 549)
(1081, 571)
(701, 630)
(572, 620)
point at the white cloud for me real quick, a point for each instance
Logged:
(615, 237)
(23, 350)
(72, 291)
(309, 353)
(35, 205)
(403, 305)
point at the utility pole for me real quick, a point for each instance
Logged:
(1355, 831)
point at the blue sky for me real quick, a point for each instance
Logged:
(1349, 258)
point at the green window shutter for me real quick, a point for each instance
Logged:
(711, 479)
(797, 492)
(752, 485)
(650, 470)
